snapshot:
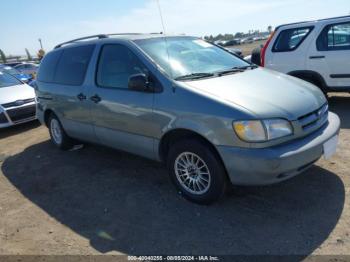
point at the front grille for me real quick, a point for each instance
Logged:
(3, 118)
(18, 102)
(18, 114)
(315, 118)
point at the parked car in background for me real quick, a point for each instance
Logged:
(206, 113)
(12, 71)
(220, 42)
(28, 68)
(12, 64)
(231, 42)
(315, 51)
(247, 40)
(235, 51)
(17, 101)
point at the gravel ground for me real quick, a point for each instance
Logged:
(97, 200)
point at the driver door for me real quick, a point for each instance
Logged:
(122, 118)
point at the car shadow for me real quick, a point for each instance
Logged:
(14, 130)
(341, 105)
(126, 203)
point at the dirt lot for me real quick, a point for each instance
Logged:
(97, 200)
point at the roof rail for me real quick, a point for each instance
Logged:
(312, 21)
(100, 36)
(331, 18)
(125, 34)
(153, 33)
(82, 38)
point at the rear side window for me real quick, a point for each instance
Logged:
(48, 65)
(334, 37)
(72, 65)
(291, 39)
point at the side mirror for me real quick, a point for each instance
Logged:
(138, 82)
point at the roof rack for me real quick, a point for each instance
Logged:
(153, 33)
(81, 38)
(100, 36)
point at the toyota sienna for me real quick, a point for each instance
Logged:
(210, 116)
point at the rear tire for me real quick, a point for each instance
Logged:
(196, 171)
(58, 136)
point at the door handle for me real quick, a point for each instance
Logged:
(81, 96)
(95, 98)
(317, 57)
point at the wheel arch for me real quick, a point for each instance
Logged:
(47, 114)
(315, 77)
(178, 134)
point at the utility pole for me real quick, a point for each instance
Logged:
(41, 44)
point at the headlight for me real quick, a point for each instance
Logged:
(262, 130)
(250, 130)
(277, 128)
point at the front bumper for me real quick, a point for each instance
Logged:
(17, 115)
(261, 166)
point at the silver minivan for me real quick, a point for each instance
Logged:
(210, 116)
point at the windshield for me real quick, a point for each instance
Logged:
(8, 80)
(10, 70)
(188, 56)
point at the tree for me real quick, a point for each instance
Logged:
(239, 35)
(29, 57)
(2, 56)
(269, 28)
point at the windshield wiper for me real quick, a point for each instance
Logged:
(194, 76)
(236, 69)
(252, 66)
(230, 71)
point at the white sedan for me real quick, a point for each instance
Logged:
(17, 101)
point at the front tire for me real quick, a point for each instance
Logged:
(196, 171)
(58, 135)
(256, 56)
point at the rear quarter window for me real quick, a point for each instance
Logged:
(48, 65)
(291, 39)
(72, 65)
(334, 37)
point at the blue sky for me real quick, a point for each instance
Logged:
(24, 21)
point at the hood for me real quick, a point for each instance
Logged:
(13, 93)
(264, 93)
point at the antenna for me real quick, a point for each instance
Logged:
(165, 39)
(161, 16)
